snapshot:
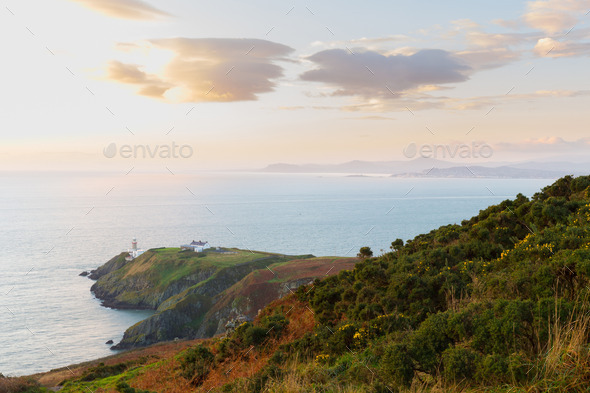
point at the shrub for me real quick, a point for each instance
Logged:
(257, 383)
(19, 385)
(365, 252)
(103, 371)
(398, 365)
(123, 387)
(459, 364)
(492, 369)
(196, 363)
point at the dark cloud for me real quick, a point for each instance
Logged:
(370, 74)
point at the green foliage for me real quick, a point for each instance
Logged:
(196, 363)
(475, 303)
(124, 387)
(397, 244)
(104, 371)
(459, 364)
(397, 365)
(249, 334)
(258, 381)
(365, 252)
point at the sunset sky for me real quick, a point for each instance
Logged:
(246, 84)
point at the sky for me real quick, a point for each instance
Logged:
(179, 85)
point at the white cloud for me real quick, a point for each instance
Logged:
(208, 69)
(550, 145)
(548, 47)
(554, 16)
(125, 9)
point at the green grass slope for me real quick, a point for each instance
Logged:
(158, 274)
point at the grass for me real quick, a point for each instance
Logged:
(172, 264)
(19, 384)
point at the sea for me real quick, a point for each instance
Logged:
(54, 225)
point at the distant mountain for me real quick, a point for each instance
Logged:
(506, 172)
(431, 167)
(565, 167)
(385, 167)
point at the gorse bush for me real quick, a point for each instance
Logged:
(196, 363)
(472, 303)
(103, 371)
(248, 334)
(123, 387)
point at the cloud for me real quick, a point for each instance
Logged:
(553, 16)
(548, 47)
(547, 145)
(417, 102)
(508, 23)
(372, 43)
(485, 59)
(372, 74)
(151, 85)
(291, 108)
(499, 41)
(124, 9)
(209, 69)
(373, 118)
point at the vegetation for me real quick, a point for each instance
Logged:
(182, 286)
(498, 303)
(19, 385)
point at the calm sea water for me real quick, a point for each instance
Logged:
(56, 225)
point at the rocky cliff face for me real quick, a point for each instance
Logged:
(255, 291)
(182, 314)
(195, 295)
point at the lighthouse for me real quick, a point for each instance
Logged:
(134, 252)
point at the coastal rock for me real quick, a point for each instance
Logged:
(109, 342)
(196, 295)
(166, 325)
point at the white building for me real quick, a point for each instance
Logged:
(199, 246)
(134, 252)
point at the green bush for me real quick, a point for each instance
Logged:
(196, 363)
(124, 387)
(398, 365)
(104, 371)
(459, 364)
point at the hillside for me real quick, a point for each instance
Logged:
(498, 303)
(196, 294)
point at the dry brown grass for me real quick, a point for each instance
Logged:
(566, 364)
(164, 377)
(17, 384)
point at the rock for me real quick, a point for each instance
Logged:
(84, 274)
(109, 342)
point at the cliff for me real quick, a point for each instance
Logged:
(196, 294)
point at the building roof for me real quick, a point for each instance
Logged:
(199, 243)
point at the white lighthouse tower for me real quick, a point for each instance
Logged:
(134, 252)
